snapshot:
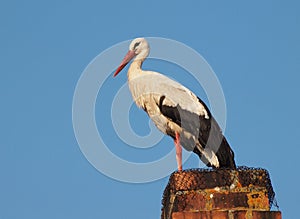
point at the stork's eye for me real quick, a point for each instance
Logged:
(136, 44)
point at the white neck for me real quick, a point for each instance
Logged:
(142, 54)
(135, 67)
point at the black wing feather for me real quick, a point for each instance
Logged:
(207, 131)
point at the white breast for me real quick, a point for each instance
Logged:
(150, 86)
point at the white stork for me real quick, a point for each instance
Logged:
(176, 111)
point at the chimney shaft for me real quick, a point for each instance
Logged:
(244, 193)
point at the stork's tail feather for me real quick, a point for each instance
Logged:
(225, 155)
(223, 158)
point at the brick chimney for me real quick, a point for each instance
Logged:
(245, 193)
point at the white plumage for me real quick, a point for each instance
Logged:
(149, 82)
(176, 111)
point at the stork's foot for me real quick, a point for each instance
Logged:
(178, 151)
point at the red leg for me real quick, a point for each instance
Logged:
(178, 151)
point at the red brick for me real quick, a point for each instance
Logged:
(190, 202)
(201, 215)
(239, 214)
(242, 214)
(219, 214)
(266, 215)
(230, 200)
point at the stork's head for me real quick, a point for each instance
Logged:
(138, 48)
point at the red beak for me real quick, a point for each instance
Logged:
(130, 54)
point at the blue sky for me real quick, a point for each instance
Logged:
(253, 48)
